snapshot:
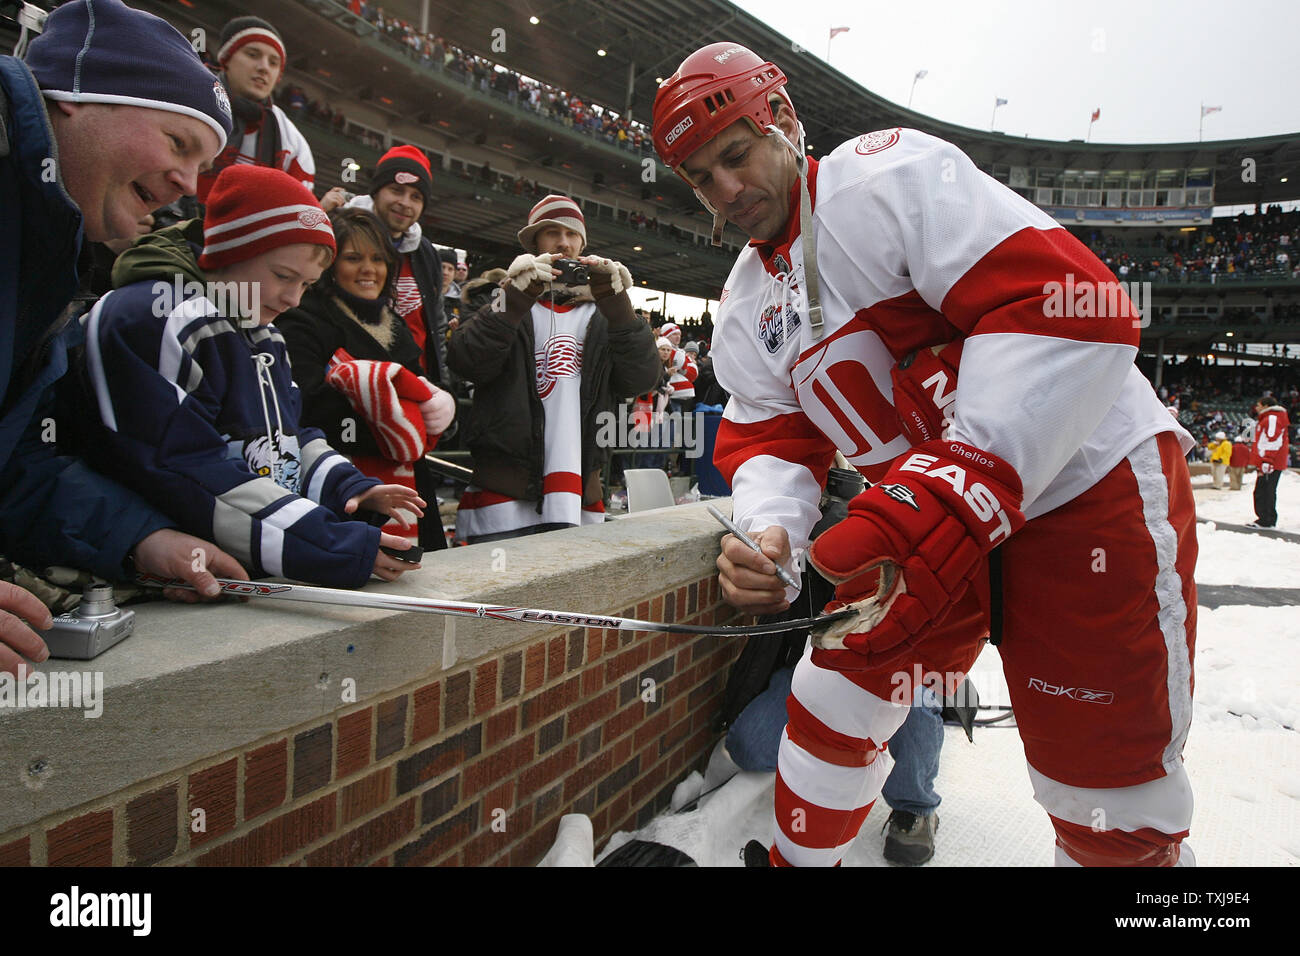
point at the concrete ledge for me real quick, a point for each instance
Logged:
(194, 681)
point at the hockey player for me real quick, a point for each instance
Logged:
(1270, 453)
(897, 304)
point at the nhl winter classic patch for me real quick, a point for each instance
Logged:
(772, 328)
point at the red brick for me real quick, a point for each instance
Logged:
(452, 862)
(677, 732)
(549, 702)
(213, 791)
(497, 767)
(675, 760)
(626, 662)
(600, 826)
(595, 644)
(265, 778)
(621, 752)
(619, 808)
(552, 768)
(86, 840)
(587, 774)
(650, 730)
(683, 660)
(443, 837)
(501, 726)
(535, 666)
(678, 710)
(698, 743)
(611, 641)
(534, 847)
(358, 845)
(485, 686)
(593, 679)
(366, 795)
(643, 611)
(680, 598)
(648, 783)
(354, 742)
(17, 853)
(658, 646)
(556, 649)
(427, 702)
(502, 798)
(656, 609)
(512, 669)
(390, 727)
(277, 838)
(584, 715)
(484, 847)
(624, 720)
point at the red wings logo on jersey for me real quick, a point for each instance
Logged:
(878, 141)
(407, 299)
(562, 358)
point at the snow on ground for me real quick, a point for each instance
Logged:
(1238, 507)
(1242, 754)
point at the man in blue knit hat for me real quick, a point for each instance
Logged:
(111, 116)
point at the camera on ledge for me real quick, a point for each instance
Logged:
(572, 272)
(91, 628)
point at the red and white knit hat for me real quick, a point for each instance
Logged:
(254, 209)
(244, 30)
(553, 211)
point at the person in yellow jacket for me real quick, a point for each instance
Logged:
(1220, 456)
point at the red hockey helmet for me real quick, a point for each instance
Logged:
(714, 87)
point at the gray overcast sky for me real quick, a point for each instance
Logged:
(1148, 64)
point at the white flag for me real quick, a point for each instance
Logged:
(1207, 110)
(836, 31)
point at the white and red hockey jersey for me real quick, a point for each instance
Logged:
(293, 157)
(916, 247)
(1272, 437)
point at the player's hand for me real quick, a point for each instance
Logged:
(749, 581)
(608, 277)
(336, 197)
(172, 554)
(18, 609)
(391, 500)
(388, 567)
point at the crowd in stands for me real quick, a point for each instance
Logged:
(1212, 398)
(487, 76)
(1259, 245)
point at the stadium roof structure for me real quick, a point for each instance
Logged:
(646, 40)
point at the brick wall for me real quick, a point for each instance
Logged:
(472, 768)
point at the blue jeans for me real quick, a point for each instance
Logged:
(755, 737)
(915, 748)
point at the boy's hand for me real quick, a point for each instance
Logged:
(388, 567)
(388, 500)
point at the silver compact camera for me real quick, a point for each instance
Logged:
(91, 628)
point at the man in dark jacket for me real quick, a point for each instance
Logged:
(546, 359)
(111, 116)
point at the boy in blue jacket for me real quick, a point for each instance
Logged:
(198, 406)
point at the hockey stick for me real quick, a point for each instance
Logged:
(493, 612)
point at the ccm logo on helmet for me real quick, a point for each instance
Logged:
(981, 501)
(677, 130)
(727, 54)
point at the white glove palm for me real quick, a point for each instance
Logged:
(607, 276)
(530, 274)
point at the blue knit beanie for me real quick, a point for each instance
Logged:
(102, 51)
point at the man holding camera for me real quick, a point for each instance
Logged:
(557, 344)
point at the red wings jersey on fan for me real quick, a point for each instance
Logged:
(917, 247)
(1272, 437)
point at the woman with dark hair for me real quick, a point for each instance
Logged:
(359, 369)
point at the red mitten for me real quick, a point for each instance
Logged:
(910, 548)
(388, 397)
(925, 385)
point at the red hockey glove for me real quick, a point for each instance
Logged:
(925, 384)
(388, 396)
(910, 548)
